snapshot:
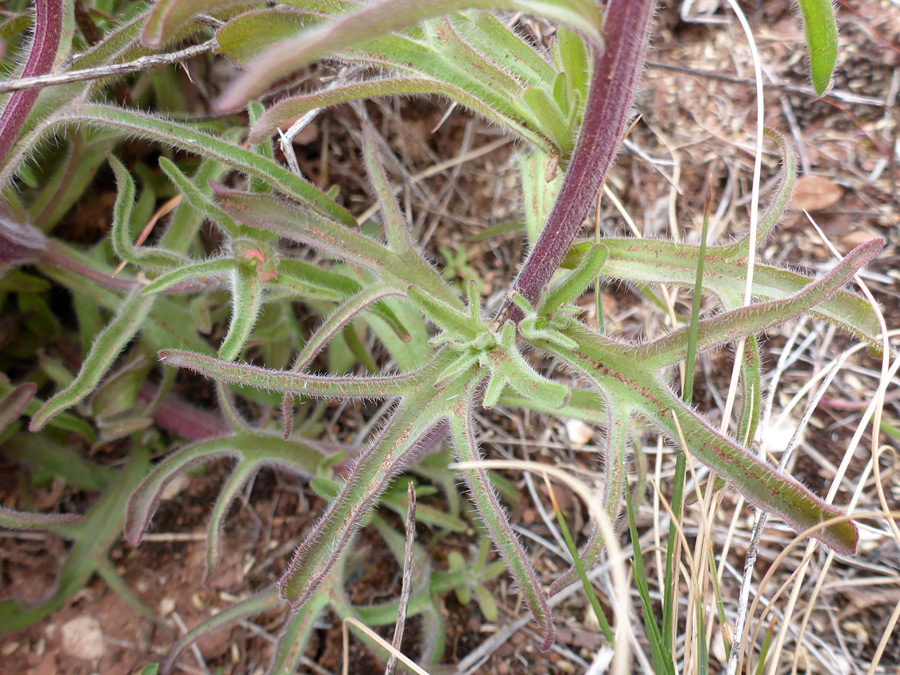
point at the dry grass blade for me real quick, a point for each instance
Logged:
(407, 578)
(371, 634)
(761, 516)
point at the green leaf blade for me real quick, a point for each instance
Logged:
(385, 386)
(381, 18)
(821, 31)
(109, 343)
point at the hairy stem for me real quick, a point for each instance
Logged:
(48, 23)
(607, 110)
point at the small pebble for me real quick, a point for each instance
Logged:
(83, 638)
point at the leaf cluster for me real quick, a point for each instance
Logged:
(146, 308)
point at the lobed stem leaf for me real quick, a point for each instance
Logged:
(384, 386)
(493, 515)
(745, 321)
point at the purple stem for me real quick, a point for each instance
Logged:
(19, 242)
(180, 417)
(57, 256)
(48, 21)
(607, 110)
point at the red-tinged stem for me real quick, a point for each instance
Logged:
(180, 417)
(19, 243)
(55, 255)
(607, 110)
(48, 21)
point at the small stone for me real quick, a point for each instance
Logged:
(580, 434)
(166, 606)
(83, 638)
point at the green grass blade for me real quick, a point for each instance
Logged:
(670, 599)
(720, 604)
(660, 652)
(702, 652)
(582, 575)
(615, 467)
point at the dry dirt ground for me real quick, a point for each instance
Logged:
(697, 103)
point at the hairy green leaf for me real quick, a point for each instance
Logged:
(168, 16)
(494, 517)
(20, 520)
(385, 386)
(380, 18)
(246, 299)
(121, 235)
(104, 351)
(191, 140)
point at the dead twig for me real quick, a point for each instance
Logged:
(87, 74)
